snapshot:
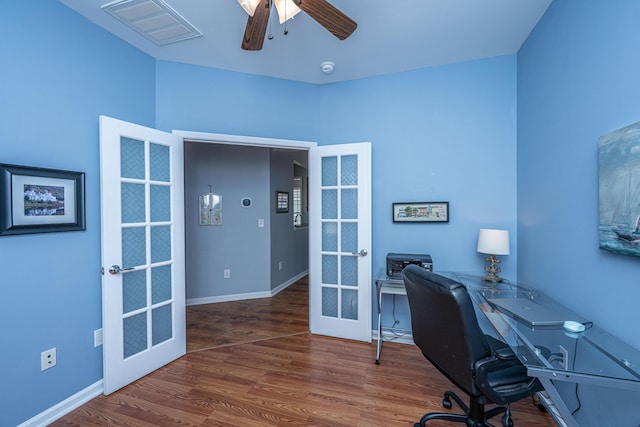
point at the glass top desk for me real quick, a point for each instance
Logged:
(561, 360)
(555, 355)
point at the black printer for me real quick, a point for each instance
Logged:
(397, 262)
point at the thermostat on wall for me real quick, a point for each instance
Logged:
(246, 202)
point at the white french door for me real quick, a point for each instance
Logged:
(143, 281)
(340, 241)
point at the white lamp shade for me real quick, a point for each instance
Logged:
(249, 6)
(286, 11)
(493, 242)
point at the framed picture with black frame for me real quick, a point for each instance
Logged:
(39, 200)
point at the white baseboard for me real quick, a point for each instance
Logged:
(225, 298)
(58, 411)
(288, 283)
(250, 295)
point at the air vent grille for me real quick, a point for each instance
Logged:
(154, 19)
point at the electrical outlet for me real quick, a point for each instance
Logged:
(565, 358)
(280, 265)
(227, 273)
(97, 337)
(48, 359)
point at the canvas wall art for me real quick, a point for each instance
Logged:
(619, 192)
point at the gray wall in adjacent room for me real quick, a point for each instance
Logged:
(288, 245)
(238, 244)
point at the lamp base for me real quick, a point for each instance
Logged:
(492, 270)
(492, 278)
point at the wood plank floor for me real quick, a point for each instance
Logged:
(235, 322)
(261, 372)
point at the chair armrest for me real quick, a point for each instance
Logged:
(504, 353)
(499, 349)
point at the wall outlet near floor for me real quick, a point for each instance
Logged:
(48, 359)
(227, 273)
(97, 337)
(280, 265)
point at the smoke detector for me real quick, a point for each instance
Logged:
(327, 67)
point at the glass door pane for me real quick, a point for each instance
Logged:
(339, 204)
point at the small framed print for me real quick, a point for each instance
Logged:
(39, 200)
(282, 202)
(210, 209)
(421, 212)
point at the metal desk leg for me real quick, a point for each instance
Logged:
(379, 323)
(556, 399)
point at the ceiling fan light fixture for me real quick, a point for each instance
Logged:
(249, 6)
(287, 9)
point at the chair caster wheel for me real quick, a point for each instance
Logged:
(446, 403)
(507, 421)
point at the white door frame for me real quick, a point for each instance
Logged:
(252, 141)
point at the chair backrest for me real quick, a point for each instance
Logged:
(445, 326)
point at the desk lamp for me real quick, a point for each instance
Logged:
(493, 242)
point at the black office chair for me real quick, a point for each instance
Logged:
(446, 329)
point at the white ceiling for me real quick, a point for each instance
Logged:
(392, 36)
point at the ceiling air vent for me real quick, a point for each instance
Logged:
(154, 19)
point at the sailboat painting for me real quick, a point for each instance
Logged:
(619, 192)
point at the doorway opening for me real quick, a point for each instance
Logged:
(253, 254)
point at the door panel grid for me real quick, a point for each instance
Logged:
(148, 206)
(339, 237)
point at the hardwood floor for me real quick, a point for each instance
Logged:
(235, 322)
(243, 369)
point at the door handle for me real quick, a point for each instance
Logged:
(363, 252)
(115, 269)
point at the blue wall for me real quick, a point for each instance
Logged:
(577, 80)
(59, 73)
(289, 245)
(233, 172)
(210, 100)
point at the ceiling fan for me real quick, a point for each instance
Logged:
(336, 22)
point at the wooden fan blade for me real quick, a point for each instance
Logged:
(336, 22)
(256, 27)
